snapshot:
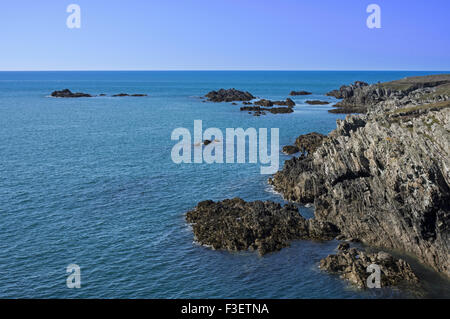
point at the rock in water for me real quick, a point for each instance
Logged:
(264, 102)
(66, 93)
(309, 142)
(229, 95)
(295, 93)
(384, 177)
(263, 226)
(317, 102)
(352, 264)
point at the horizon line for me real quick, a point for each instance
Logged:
(233, 70)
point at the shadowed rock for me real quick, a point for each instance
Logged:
(297, 93)
(352, 264)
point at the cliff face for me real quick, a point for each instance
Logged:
(383, 177)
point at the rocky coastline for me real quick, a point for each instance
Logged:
(381, 177)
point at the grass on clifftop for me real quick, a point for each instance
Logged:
(426, 107)
(411, 83)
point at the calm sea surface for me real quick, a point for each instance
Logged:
(90, 181)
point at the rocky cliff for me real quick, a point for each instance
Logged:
(384, 177)
(360, 96)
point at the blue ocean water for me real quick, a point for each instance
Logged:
(90, 181)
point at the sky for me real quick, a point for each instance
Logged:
(225, 35)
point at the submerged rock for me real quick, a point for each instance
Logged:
(66, 93)
(352, 265)
(234, 225)
(229, 95)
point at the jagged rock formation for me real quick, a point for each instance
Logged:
(229, 95)
(66, 93)
(384, 177)
(352, 265)
(358, 96)
(234, 225)
(306, 144)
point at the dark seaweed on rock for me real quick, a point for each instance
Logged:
(234, 225)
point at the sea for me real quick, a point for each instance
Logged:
(91, 182)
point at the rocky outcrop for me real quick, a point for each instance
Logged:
(268, 103)
(308, 143)
(384, 177)
(317, 102)
(290, 149)
(66, 93)
(235, 225)
(288, 103)
(360, 96)
(264, 102)
(261, 110)
(347, 91)
(298, 93)
(352, 265)
(229, 95)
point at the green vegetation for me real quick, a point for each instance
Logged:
(423, 108)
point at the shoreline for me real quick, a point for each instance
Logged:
(358, 91)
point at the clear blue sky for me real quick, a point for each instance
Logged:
(225, 35)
